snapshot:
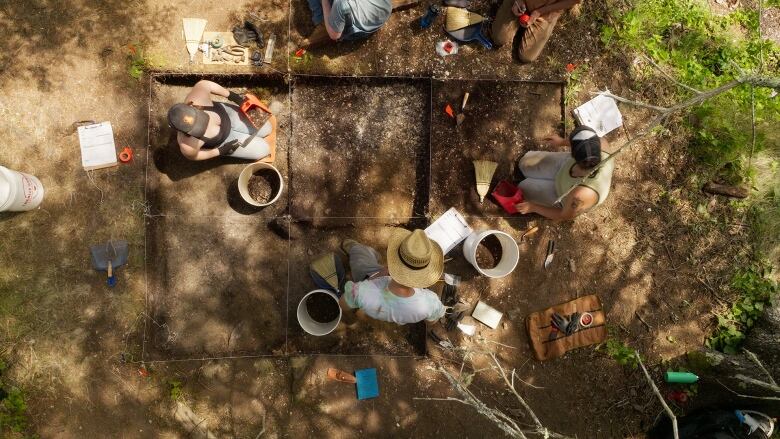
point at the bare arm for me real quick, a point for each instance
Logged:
(578, 201)
(326, 14)
(190, 148)
(202, 91)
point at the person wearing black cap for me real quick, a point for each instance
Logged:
(562, 185)
(208, 129)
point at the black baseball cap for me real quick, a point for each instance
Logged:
(188, 119)
(585, 146)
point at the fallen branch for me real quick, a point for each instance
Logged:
(741, 395)
(660, 397)
(760, 365)
(502, 420)
(649, 328)
(726, 190)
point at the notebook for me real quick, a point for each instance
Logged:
(600, 113)
(449, 230)
(97, 146)
(367, 383)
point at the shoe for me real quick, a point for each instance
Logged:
(517, 175)
(347, 244)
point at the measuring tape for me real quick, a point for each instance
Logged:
(126, 155)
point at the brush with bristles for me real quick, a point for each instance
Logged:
(325, 267)
(484, 170)
(193, 32)
(458, 18)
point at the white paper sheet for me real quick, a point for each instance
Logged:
(97, 146)
(449, 230)
(487, 314)
(600, 113)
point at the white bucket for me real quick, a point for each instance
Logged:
(243, 183)
(19, 191)
(510, 254)
(312, 326)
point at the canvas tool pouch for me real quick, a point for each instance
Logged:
(539, 328)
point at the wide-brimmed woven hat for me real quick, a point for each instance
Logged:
(413, 259)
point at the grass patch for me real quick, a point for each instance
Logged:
(755, 293)
(13, 409)
(620, 352)
(704, 50)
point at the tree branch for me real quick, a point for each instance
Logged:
(760, 365)
(759, 383)
(660, 397)
(631, 102)
(770, 398)
(668, 76)
(665, 113)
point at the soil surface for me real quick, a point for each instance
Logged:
(263, 185)
(489, 252)
(360, 147)
(322, 308)
(258, 117)
(503, 121)
(206, 278)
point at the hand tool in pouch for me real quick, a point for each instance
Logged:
(550, 253)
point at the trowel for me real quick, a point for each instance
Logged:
(550, 253)
(108, 257)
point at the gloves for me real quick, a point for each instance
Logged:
(568, 325)
(235, 98)
(229, 147)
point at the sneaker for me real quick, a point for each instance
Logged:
(347, 244)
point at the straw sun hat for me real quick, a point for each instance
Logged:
(414, 260)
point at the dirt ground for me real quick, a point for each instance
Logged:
(198, 335)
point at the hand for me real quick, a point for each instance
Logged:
(554, 140)
(518, 7)
(229, 147)
(524, 208)
(534, 16)
(235, 98)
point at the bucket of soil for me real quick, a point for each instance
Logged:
(260, 184)
(493, 253)
(319, 312)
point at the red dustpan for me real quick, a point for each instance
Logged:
(251, 102)
(507, 195)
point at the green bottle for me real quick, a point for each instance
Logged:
(680, 377)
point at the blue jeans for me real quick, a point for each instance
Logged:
(350, 31)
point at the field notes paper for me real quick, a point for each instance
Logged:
(449, 230)
(600, 113)
(97, 146)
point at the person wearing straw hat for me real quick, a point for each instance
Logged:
(397, 293)
(562, 185)
(344, 20)
(535, 18)
(208, 129)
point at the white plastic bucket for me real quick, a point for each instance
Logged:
(243, 183)
(19, 191)
(312, 326)
(510, 254)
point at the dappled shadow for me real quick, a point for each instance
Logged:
(177, 186)
(218, 286)
(503, 120)
(44, 30)
(371, 337)
(360, 148)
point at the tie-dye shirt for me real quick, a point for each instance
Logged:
(378, 302)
